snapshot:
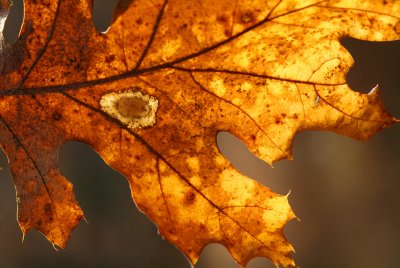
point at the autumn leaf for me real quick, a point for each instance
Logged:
(151, 94)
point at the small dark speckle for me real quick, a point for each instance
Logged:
(222, 19)
(397, 28)
(57, 116)
(110, 58)
(190, 197)
(139, 21)
(48, 209)
(247, 17)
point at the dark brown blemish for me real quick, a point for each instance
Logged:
(48, 209)
(222, 19)
(397, 28)
(78, 218)
(110, 58)
(57, 116)
(190, 196)
(247, 17)
(133, 107)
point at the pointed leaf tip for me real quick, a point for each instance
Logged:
(375, 91)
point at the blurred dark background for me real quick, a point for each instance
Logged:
(345, 192)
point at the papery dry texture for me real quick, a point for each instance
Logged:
(151, 94)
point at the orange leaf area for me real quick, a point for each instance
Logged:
(151, 94)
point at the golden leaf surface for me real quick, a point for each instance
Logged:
(151, 94)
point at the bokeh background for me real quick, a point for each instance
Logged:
(346, 192)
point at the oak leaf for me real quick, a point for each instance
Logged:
(151, 94)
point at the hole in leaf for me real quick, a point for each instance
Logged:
(13, 24)
(103, 11)
(375, 63)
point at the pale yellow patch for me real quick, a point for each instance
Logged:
(260, 49)
(199, 144)
(220, 160)
(199, 33)
(170, 48)
(237, 187)
(286, 70)
(217, 85)
(85, 5)
(176, 189)
(242, 42)
(378, 36)
(246, 86)
(193, 163)
(259, 105)
(242, 59)
(170, 71)
(196, 181)
(237, 101)
(162, 167)
(273, 212)
(324, 69)
(173, 152)
(265, 153)
(150, 179)
(237, 28)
